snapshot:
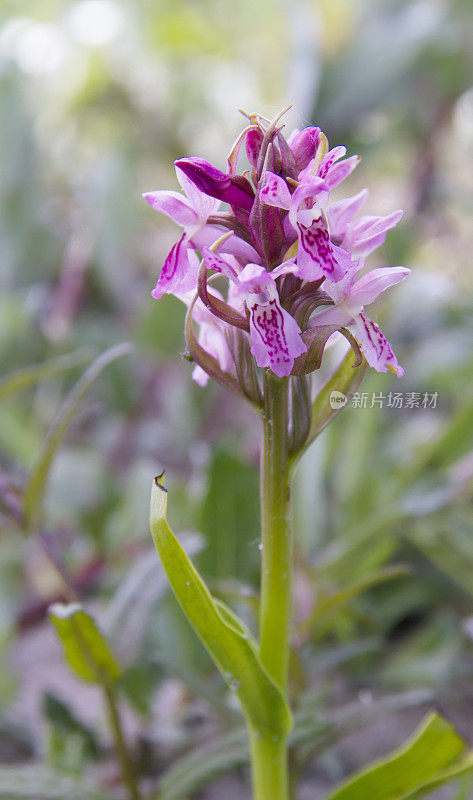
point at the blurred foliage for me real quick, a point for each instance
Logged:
(97, 97)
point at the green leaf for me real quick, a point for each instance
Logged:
(33, 497)
(65, 726)
(328, 607)
(24, 377)
(313, 729)
(85, 649)
(346, 380)
(229, 519)
(431, 757)
(225, 637)
(26, 782)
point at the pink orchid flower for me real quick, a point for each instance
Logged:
(191, 211)
(350, 296)
(363, 235)
(274, 334)
(317, 256)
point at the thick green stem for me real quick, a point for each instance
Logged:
(121, 748)
(269, 755)
(269, 760)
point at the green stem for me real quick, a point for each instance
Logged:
(269, 757)
(121, 748)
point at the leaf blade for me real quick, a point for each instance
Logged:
(33, 496)
(427, 757)
(224, 636)
(85, 648)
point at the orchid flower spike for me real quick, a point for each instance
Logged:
(291, 257)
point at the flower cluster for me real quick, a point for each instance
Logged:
(288, 260)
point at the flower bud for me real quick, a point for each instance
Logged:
(235, 190)
(304, 146)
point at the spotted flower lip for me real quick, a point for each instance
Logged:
(317, 256)
(274, 334)
(293, 260)
(350, 296)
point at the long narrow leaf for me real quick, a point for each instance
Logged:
(27, 782)
(346, 380)
(24, 377)
(35, 489)
(224, 636)
(432, 756)
(85, 648)
(193, 771)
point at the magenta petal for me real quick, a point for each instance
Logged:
(303, 145)
(275, 191)
(174, 205)
(341, 213)
(317, 257)
(340, 171)
(179, 272)
(275, 338)
(369, 286)
(236, 191)
(201, 202)
(254, 140)
(376, 348)
(227, 265)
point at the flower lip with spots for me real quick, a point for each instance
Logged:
(350, 296)
(275, 335)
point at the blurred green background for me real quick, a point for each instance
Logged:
(97, 98)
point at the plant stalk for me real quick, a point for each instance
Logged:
(269, 755)
(121, 748)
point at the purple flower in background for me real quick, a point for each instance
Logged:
(291, 258)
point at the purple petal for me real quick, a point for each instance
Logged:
(317, 257)
(339, 172)
(253, 278)
(303, 145)
(239, 248)
(331, 315)
(174, 205)
(254, 140)
(236, 191)
(179, 272)
(370, 285)
(227, 265)
(369, 232)
(376, 348)
(275, 338)
(340, 214)
(329, 160)
(312, 189)
(275, 191)
(201, 202)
